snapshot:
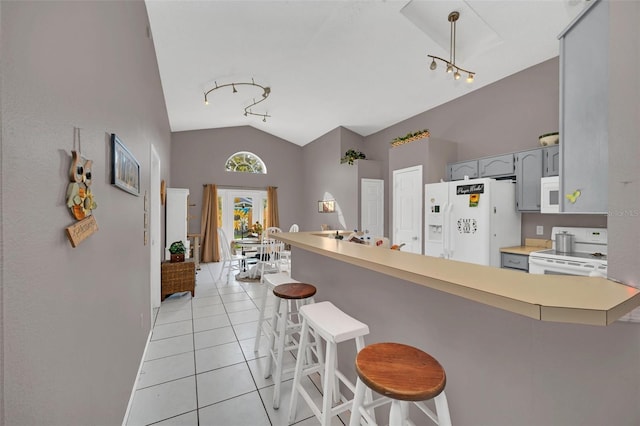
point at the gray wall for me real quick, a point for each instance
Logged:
(327, 178)
(503, 117)
(198, 157)
(75, 320)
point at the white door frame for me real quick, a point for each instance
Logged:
(154, 233)
(414, 240)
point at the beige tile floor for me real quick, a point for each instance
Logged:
(200, 367)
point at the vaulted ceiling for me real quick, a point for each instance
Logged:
(358, 64)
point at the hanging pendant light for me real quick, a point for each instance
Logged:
(451, 63)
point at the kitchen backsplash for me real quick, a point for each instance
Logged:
(531, 220)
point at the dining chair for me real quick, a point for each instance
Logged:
(268, 258)
(270, 230)
(285, 254)
(231, 262)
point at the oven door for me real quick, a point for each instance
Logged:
(538, 265)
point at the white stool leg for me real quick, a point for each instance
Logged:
(328, 383)
(358, 399)
(396, 417)
(263, 307)
(272, 337)
(442, 409)
(297, 376)
(282, 331)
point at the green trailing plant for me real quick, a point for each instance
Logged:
(409, 135)
(177, 247)
(351, 155)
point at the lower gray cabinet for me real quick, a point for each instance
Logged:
(514, 261)
(457, 171)
(551, 161)
(528, 175)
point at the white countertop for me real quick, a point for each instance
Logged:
(573, 299)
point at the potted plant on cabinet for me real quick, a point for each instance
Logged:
(350, 155)
(410, 137)
(177, 250)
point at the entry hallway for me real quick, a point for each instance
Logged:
(200, 367)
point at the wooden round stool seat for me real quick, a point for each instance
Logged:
(294, 291)
(400, 372)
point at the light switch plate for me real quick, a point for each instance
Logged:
(539, 230)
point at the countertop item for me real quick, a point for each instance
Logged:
(571, 299)
(530, 245)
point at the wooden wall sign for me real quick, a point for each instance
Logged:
(79, 231)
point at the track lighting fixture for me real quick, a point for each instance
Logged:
(451, 63)
(247, 111)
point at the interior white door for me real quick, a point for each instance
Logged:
(407, 208)
(372, 206)
(154, 232)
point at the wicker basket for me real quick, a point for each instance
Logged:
(178, 277)
(411, 139)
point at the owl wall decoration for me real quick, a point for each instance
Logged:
(80, 199)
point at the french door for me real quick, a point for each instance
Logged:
(239, 210)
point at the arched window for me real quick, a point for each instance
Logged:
(246, 162)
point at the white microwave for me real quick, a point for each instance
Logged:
(550, 194)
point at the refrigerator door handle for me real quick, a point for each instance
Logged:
(445, 227)
(447, 230)
(450, 232)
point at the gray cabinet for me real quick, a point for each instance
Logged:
(457, 171)
(498, 166)
(514, 261)
(551, 161)
(584, 108)
(528, 174)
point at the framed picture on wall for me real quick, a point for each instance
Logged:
(327, 206)
(125, 169)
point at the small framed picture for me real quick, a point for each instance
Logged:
(327, 206)
(125, 169)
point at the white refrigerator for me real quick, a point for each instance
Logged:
(470, 220)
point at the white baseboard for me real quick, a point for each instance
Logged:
(135, 382)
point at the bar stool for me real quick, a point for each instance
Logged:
(402, 374)
(270, 281)
(325, 320)
(282, 326)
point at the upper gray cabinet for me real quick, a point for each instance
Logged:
(528, 174)
(551, 161)
(458, 171)
(584, 109)
(499, 166)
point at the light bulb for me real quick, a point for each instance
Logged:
(449, 68)
(264, 119)
(234, 88)
(470, 78)
(456, 75)
(433, 65)
(206, 102)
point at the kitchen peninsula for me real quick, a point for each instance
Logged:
(582, 300)
(551, 354)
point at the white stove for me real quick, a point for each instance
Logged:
(588, 258)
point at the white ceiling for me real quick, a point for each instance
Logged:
(358, 64)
